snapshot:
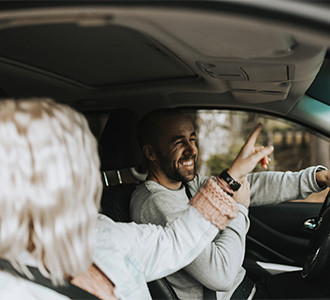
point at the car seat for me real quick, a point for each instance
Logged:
(119, 149)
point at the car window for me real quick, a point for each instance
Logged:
(222, 133)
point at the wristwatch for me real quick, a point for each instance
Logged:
(233, 184)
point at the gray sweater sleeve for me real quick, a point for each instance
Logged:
(218, 265)
(276, 187)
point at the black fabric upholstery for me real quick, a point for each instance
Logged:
(161, 289)
(115, 201)
(119, 149)
(118, 143)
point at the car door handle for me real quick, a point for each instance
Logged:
(310, 224)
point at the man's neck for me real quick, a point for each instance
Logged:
(164, 181)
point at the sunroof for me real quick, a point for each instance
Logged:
(95, 56)
(320, 88)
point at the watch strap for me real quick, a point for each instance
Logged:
(233, 184)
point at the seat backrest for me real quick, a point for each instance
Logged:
(115, 201)
(161, 289)
(118, 143)
(119, 149)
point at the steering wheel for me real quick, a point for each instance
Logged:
(318, 251)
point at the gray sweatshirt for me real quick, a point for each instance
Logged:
(219, 267)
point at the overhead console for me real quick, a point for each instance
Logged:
(266, 80)
(252, 82)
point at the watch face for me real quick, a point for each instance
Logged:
(235, 185)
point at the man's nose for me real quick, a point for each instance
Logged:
(190, 148)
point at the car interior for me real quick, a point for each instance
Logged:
(118, 60)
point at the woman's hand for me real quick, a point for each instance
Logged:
(249, 156)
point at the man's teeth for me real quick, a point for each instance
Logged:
(187, 163)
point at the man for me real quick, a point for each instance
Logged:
(168, 140)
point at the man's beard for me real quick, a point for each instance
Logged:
(174, 173)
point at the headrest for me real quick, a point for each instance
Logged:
(118, 143)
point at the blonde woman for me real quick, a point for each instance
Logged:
(49, 223)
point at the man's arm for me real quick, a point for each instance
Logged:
(276, 187)
(217, 266)
(168, 249)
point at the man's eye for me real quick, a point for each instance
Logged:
(178, 142)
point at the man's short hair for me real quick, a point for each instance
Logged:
(148, 129)
(50, 186)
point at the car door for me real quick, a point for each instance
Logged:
(279, 234)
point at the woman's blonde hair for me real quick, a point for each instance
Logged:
(50, 186)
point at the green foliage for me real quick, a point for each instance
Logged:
(218, 163)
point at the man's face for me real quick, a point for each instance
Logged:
(177, 151)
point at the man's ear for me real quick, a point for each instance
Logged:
(149, 152)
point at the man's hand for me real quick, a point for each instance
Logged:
(243, 194)
(323, 178)
(249, 156)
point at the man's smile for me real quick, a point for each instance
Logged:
(187, 163)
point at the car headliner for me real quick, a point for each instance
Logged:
(144, 55)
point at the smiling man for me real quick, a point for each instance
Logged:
(168, 140)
